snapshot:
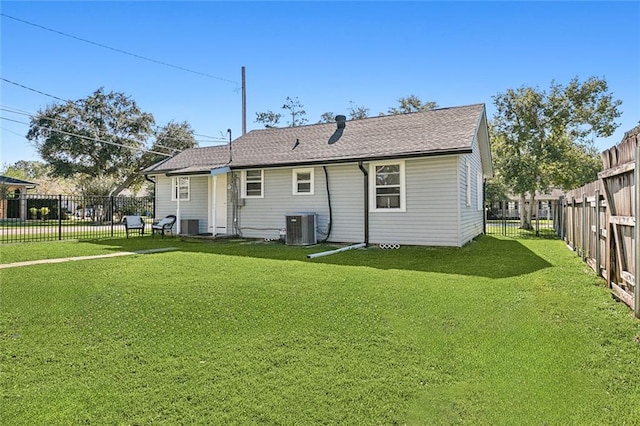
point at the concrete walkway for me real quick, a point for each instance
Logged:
(72, 259)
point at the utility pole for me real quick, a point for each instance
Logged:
(244, 103)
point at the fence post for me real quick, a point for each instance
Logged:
(112, 211)
(535, 207)
(59, 217)
(636, 234)
(596, 221)
(584, 226)
(574, 243)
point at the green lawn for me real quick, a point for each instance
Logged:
(501, 331)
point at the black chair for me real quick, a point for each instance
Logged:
(164, 225)
(133, 222)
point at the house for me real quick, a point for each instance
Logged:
(413, 179)
(13, 204)
(547, 204)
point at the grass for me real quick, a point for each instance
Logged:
(501, 331)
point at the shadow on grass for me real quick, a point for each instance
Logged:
(487, 256)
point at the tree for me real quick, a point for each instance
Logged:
(327, 117)
(541, 139)
(39, 173)
(294, 108)
(268, 118)
(357, 112)
(102, 136)
(412, 103)
(172, 138)
(27, 170)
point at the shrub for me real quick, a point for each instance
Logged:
(44, 212)
(34, 213)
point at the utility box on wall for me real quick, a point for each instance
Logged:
(189, 226)
(301, 229)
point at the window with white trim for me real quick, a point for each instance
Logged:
(181, 188)
(387, 186)
(252, 183)
(303, 181)
(480, 191)
(467, 184)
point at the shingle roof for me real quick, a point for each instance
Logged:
(13, 181)
(440, 131)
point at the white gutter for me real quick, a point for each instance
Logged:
(330, 252)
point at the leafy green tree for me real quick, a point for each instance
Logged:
(357, 112)
(543, 139)
(293, 107)
(268, 118)
(104, 135)
(412, 103)
(172, 138)
(495, 191)
(296, 111)
(31, 171)
(327, 117)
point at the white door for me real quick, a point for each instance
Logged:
(218, 204)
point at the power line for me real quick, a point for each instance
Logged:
(89, 138)
(30, 115)
(156, 127)
(32, 89)
(104, 46)
(11, 131)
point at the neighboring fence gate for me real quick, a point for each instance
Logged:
(503, 218)
(58, 217)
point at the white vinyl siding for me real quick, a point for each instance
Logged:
(265, 217)
(431, 215)
(180, 188)
(252, 183)
(303, 181)
(471, 217)
(197, 206)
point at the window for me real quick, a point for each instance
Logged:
(252, 183)
(467, 184)
(480, 191)
(387, 185)
(303, 182)
(180, 188)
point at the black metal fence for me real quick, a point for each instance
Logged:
(504, 218)
(27, 218)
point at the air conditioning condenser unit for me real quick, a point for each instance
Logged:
(301, 229)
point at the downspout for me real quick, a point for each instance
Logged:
(147, 178)
(366, 202)
(326, 179)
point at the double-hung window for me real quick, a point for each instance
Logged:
(252, 183)
(180, 188)
(303, 181)
(387, 185)
(467, 184)
(480, 184)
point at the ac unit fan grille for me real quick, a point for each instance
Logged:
(301, 229)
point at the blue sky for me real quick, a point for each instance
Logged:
(328, 54)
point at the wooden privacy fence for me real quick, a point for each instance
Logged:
(599, 220)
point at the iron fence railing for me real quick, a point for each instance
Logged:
(503, 219)
(58, 217)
